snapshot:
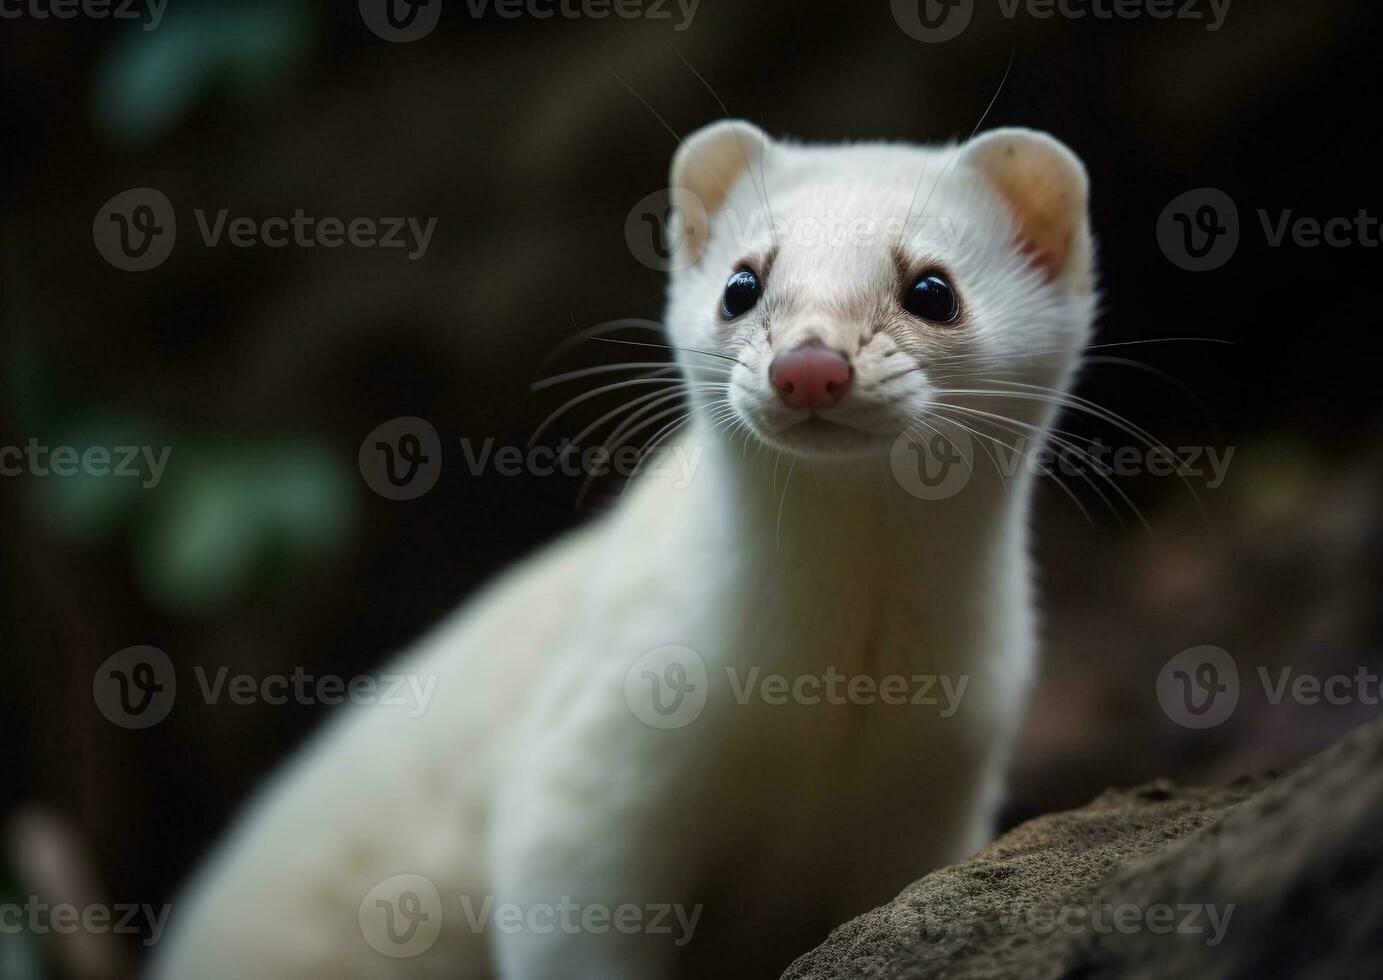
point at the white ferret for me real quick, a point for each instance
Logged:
(689, 739)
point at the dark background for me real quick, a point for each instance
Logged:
(263, 549)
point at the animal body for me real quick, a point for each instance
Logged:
(739, 708)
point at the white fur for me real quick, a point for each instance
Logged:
(530, 778)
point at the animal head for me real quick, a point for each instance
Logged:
(855, 291)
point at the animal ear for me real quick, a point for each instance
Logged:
(706, 167)
(1046, 187)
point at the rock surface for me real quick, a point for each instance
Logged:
(1263, 878)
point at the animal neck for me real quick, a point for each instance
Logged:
(860, 520)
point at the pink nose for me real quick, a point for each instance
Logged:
(810, 376)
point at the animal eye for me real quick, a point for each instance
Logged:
(932, 298)
(741, 293)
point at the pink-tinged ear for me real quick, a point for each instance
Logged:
(1046, 187)
(707, 165)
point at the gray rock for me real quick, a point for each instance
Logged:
(1263, 878)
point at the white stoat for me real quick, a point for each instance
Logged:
(846, 312)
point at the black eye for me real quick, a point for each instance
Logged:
(932, 298)
(741, 293)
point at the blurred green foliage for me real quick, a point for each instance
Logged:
(19, 956)
(227, 511)
(148, 80)
(233, 512)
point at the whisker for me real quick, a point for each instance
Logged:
(587, 396)
(658, 117)
(1070, 446)
(975, 432)
(1070, 494)
(656, 439)
(688, 350)
(665, 433)
(611, 450)
(956, 156)
(899, 374)
(778, 530)
(969, 461)
(662, 366)
(1171, 379)
(1008, 355)
(762, 186)
(1055, 396)
(1008, 426)
(655, 398)
(619, 430)
(582, 335)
